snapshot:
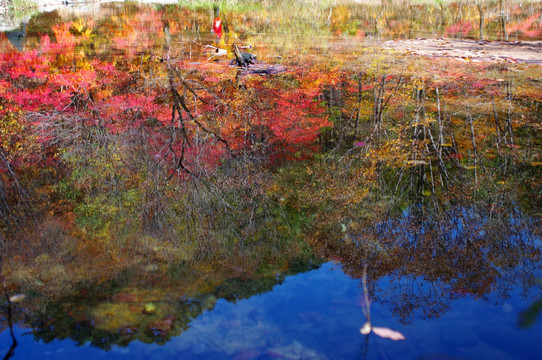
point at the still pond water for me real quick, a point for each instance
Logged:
(485, 307)
(317, 315)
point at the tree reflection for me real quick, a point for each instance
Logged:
(9, 315)
(118, 312)
(428, 258)
(147, 153)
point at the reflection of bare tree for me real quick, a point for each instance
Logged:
(11, 350)
(436, 223)
(14, 197)
(9, 316)
(430, 258)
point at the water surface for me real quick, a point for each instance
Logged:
(160, 202)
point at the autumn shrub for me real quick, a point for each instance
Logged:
(156, 153)
(460, 29)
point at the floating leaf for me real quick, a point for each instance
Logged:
(366, 329)
(150, 308)
(388, 333)
(17, 298)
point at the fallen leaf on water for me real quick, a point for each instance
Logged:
(17, 298)
(150, 308)
(366, 329)
(388, 333)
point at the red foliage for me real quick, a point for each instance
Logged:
(528, 27)
(58, 82)
(460, 28)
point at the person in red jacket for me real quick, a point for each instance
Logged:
(217, 24)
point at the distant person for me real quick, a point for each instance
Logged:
(217, 23)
